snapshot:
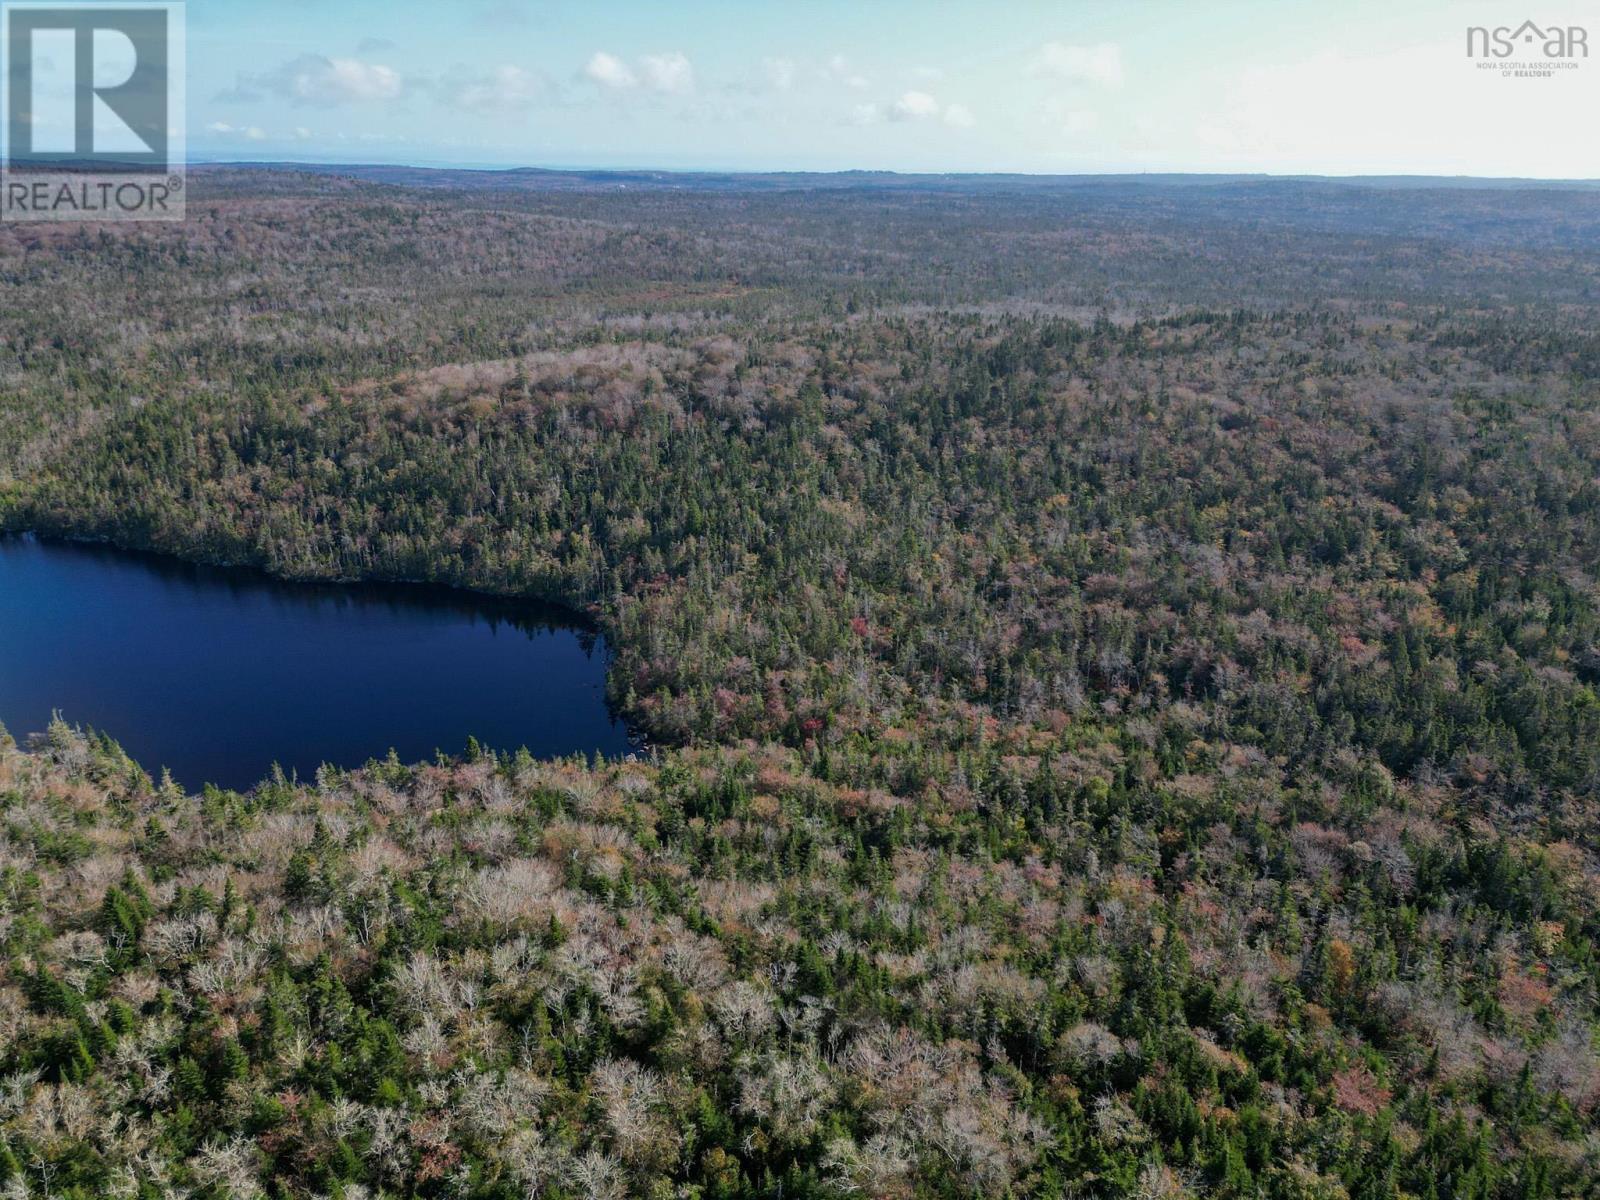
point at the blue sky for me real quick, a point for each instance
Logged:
(1140, 85)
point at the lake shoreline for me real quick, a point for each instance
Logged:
(218, 670)
(586, 616)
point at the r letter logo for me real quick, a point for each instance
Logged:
(93, 112)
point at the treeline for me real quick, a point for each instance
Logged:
(751, 973)
(1321, 537)
(1128, 717)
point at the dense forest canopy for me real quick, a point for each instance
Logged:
(1122, 656)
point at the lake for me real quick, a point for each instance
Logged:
(217, 673)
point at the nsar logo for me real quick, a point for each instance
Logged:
(1553, 41)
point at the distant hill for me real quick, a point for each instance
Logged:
(548, 178)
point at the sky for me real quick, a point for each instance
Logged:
(1282, 86)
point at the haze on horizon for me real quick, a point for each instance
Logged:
(1150, 86)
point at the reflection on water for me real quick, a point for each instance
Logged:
(219, 672)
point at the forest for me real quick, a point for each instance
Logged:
(1119, 658)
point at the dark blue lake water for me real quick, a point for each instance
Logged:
(217, 673)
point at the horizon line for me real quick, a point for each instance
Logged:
(756, 172)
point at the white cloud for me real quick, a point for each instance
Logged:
(253, 133)
(671, 73)
(922, 106)
(608, 71)
(313, 79)
(1402, 108)
(302, 134)
(780, 73)
(838, 70)
(866, 114)
(914, 106)
(503, 89)
(1061, 114)
(1099, 65)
